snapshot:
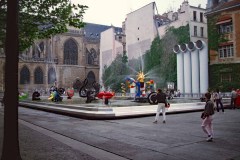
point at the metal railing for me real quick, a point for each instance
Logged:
(34, 59)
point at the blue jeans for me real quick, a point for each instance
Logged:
(219, 102)
(233, 103)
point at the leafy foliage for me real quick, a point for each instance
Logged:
(39, 19)
(114, 75)
(213, 35)
(160, 61)
(229, 69)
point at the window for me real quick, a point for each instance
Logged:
(195, 31)
(24, 76)
(70, 52)
(225, 28)
(38, 76)
(202, 32)
(194, 16)
(201, 17)
(226, 51)
(226, 77)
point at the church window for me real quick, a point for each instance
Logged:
(24, 75)
(38, 76)
(70, 52)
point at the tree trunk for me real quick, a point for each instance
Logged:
(10, 141)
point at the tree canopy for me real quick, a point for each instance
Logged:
(115, 74)
(39, 19)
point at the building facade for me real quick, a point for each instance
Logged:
(111, 44)
(224, 44)
(186, 14)
(61, 60)
(140, 30)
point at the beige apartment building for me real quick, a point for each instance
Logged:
(185, 15)
(224, 44)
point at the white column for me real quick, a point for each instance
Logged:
(194, 68)
(187, 69)
(180, 71)
(203, 60)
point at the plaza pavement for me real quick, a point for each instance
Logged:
(47, 136)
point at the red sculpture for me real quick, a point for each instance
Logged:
(106, 96)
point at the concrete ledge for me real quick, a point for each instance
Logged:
(109, 112)
(96, 114)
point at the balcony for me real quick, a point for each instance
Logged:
(34, 59)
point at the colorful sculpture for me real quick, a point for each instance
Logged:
(140, 87)
(55, 94)
(123, 89)
(150, 86)
(137, 84)
(22, 96)
(70, 93)
(106, 96)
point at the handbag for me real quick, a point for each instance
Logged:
(203, 115)
(167, 105)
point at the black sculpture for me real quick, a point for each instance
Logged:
(152, 99)
(89, 91)
(36, 96)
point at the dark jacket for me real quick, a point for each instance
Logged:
(161, 97)
(209, 108)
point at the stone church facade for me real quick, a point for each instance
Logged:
(60, 60)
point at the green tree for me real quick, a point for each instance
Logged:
(124, 57)
(115, 74)
(39, 19)
(160, 61)
(22, 23)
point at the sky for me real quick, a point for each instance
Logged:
(113, 12)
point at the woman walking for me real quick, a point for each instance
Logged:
(207, 117)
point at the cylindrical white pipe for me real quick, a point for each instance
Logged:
(194, 68)
(180, 72)
(187, 69)
(203, 60)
